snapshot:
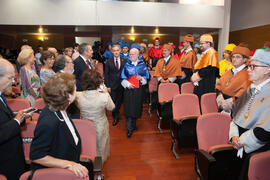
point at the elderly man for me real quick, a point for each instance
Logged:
(134, 75)
(206, 69)
(233, 83)
(167, 69)
(83, 62)
(250, 126)
(63, 63)
(12, 163)
(188, 59)
(113, 82)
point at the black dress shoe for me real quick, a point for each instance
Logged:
(115, 121)
(129, 134)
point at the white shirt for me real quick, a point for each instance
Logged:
(70, 127)
(260, 86)
(204, 52)
(240, 68)
(187, 50)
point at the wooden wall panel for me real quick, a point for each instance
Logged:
(254, 37)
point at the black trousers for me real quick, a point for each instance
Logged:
(117, 97)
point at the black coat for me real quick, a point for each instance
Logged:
(52, 137)
(12, 162)
(79, 67)
(112, 78)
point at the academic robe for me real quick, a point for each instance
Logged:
(233, 85)
(122, 55)
(133, 97)
(108, 54)
(166, 70)
(187, 63)
(224, 66)
(208, 70)
(155, 55)
(180, 53)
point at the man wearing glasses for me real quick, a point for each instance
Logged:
(234, 82)
(250, 127)
(206, 69)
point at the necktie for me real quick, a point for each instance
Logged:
(88, 63)
(117, 64)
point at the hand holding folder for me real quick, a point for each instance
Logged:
(134, 81)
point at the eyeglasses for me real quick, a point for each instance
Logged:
(237, 57)
(203, 43)
(252, 66)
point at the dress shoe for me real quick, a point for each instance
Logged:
(129, 134)
(135, 129)
(115, 121)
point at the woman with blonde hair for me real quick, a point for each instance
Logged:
(29, 80)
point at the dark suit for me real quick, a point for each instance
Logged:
(12, 162)
(113, 81)
(52, 137)
(79, 67)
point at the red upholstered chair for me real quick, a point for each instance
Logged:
(52, 174)
(18, 104)
(185, 109)
(2, 177)
(209, 103)
(187, 87)
(166, 92)
(39, 104)
(259, 166)
(152, 86)
(27, 133)
(87, 133)
(214, 155)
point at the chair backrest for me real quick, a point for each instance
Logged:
(41, 90)
(209, 103)
(18, 104)
(185, 106)
(39, 103)
(259, 166)
(212, 129)
(99, 67)
(52, 174)
(87, 133)
(2, 177)
(166, 92)
(153, 84)
(27, 133)
(187, 87)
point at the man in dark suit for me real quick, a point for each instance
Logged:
(113, 82)
(83, 62)
(12, 162)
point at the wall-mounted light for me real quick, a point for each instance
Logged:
(132, 31)
(40, 29)
(156, 30)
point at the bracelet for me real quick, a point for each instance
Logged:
(68, 166)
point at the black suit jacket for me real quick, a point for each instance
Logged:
(12, 162)
(52, 137)
(112, 79)
(79, 67)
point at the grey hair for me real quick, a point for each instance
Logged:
(83, 47)
(3, 67)
(116, 45)
(60, 63)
